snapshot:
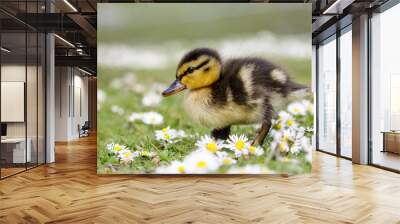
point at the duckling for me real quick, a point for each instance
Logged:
(236, 91)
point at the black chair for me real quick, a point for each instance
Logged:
(84, 130)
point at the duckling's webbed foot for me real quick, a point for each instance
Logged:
(221, 133)
(259, 140)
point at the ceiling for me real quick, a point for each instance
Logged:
(75, 21)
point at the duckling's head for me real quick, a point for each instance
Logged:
(198, 68)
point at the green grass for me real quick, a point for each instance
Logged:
(139, 136)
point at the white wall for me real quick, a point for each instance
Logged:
(12, 73)
(314, 90)
(71, 94)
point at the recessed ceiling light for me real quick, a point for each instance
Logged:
(84, 71)
(337, 7)
(5, 49)
(70, 5)
(64, 40)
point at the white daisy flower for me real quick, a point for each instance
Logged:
(296, 147)
(116, 83)
(138, 88)
(286, 119)
(127, 156)
(117, 109)
(145, 153)
(151, 99)
(288, 135)
(308, 105)
(152, 118)
(255, 150)
(166, 134)
(201, 161)
(300, 131)
(101, 96)
(180, 133)
(115, 148)
(169, 135)
(123, 82)
(280, 145)
(128, 80)
(306, 145)
(224, 158)
(276, 125)
(238, 144)
(135, 116)
(297, 108)
(209, 144)
(176, 167)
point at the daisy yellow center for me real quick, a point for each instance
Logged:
(164, 130)
(181, 169)
(281, 146)
(201, 164)
(296, 109)
(117, 148)
(212, 146)
(167, 136)
(227, 161)
(289, 122)
(127, 154)
(252, 149)
(144, 153)
(278, 126)
(240, 145)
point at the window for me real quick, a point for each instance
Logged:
(327, 96)
(346, 92)
(385, 89)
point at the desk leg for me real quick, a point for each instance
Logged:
(384, 142)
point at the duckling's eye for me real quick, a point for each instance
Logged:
(189, 70)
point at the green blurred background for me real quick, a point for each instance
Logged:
(280, 33)
(187, 22)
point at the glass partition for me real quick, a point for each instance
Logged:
(327, 96)
(22, 101)
(41, 109)
(346, 92)
(14, 153)
(32, 95)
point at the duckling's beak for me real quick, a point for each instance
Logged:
(175, 87)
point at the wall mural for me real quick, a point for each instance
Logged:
(204, 89)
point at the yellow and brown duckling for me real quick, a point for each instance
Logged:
(237, 91)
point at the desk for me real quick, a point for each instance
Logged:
(391, 141)
(17, 151)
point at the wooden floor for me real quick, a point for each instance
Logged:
(70, 191)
